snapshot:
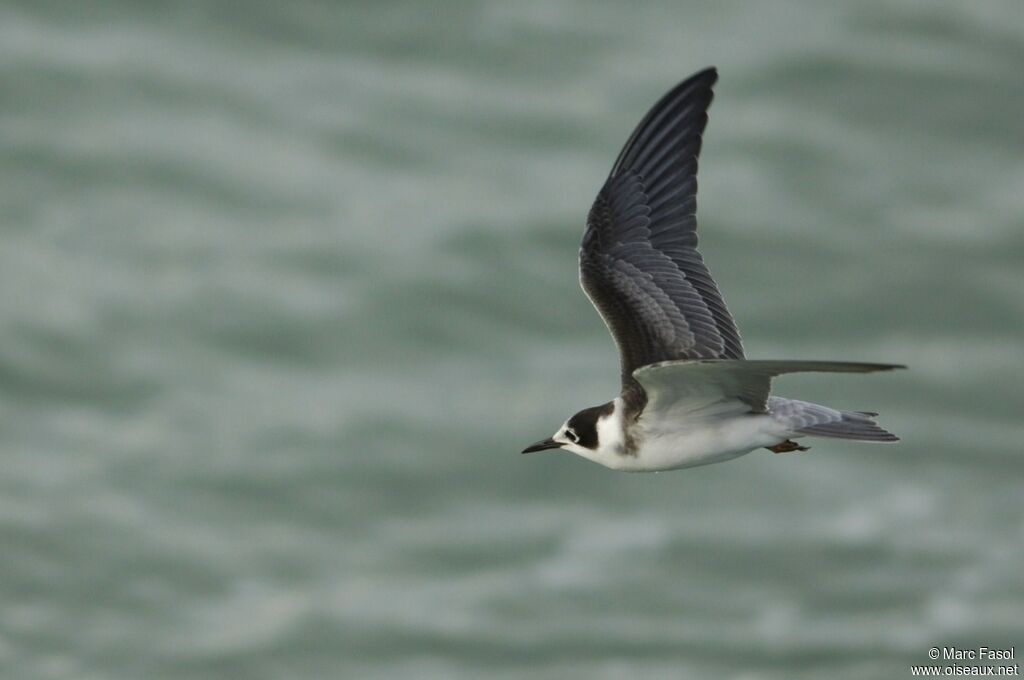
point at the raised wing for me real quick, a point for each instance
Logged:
(639, 262)
(697, 385)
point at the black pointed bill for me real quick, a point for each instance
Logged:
(542, 445)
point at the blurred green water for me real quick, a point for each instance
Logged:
(286, 287)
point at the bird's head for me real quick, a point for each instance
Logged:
(585, 434)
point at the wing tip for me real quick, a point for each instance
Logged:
(710, 73)
(705, 78)
(698, 85)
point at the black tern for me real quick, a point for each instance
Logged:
(689, 397)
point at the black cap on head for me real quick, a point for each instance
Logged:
(584, 424)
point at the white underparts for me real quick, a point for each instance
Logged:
(666, 441)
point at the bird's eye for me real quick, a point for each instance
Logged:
(571, 436)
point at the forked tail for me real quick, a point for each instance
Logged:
(814, 420)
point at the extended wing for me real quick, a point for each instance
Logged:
(639, 263)
(695, 385)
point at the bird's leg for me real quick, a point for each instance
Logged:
(787, 446)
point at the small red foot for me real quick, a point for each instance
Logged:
(787, 446)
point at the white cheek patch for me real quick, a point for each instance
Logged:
(609, 431)
(560, 435)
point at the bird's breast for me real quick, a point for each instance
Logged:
(668, 445)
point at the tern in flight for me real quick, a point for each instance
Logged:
(689, 397)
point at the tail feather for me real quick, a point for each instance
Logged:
(814, 420)
(852, 426)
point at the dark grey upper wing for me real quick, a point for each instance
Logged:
(639, 262)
